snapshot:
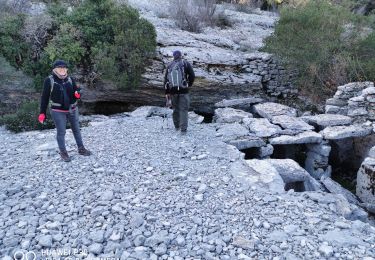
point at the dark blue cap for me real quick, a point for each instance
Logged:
(59, 64)
(177, 54)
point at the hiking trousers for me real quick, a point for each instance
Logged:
(180, 105)
(60, 119)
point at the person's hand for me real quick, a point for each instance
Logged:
(77, 95)
(41, 118)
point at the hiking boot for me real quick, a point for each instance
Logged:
(183, 132)
(83, 151)
(65, 156)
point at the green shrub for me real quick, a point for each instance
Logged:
(66, 45)
(26, 119)
(124, 57)
(12, 45)
(101, 37)
(315, 39)
(118, 43)
(364, 59)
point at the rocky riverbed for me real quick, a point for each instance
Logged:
(150, 193)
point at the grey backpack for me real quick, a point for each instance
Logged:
(176, 75)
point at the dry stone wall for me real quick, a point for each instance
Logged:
(356, 100)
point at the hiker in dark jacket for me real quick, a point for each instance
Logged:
(62, 92)
(178, 78)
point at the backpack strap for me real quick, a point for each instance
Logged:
(52, 82)
(183, 72)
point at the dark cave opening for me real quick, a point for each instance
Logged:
(296, 152)
(251, 153)
(208, 117)
(297, 186)
(106, 108)
(346, 157)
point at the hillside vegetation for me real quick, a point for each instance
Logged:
(101, 39)
(327, 43)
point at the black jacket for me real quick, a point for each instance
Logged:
(189, 74)
(62, 95)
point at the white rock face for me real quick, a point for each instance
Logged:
(227, 61)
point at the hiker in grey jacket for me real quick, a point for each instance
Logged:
(178, 78)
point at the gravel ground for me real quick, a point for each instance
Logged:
(150, 193)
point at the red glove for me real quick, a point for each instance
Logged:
(41, 118)
(77, 95)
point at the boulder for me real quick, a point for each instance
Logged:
(242, 103)
(237, 135)
(264, 173)
(291, 122)
(317, 165)
(230, 131)
(324, 120)
(371, 153)
(261, 127)
(288, 169)
(195, 118)
(303, 138)
(144, 111)
(246, 142)
(269, 110)
(365, 189)
(341, 132)
(265, 151)
(230, 115)
(336, 188)
(322, 149)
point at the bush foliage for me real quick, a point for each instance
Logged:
(328, 44)
(99, 37)
(25, 119)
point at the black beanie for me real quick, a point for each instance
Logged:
(177, 54)
(59, 64)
